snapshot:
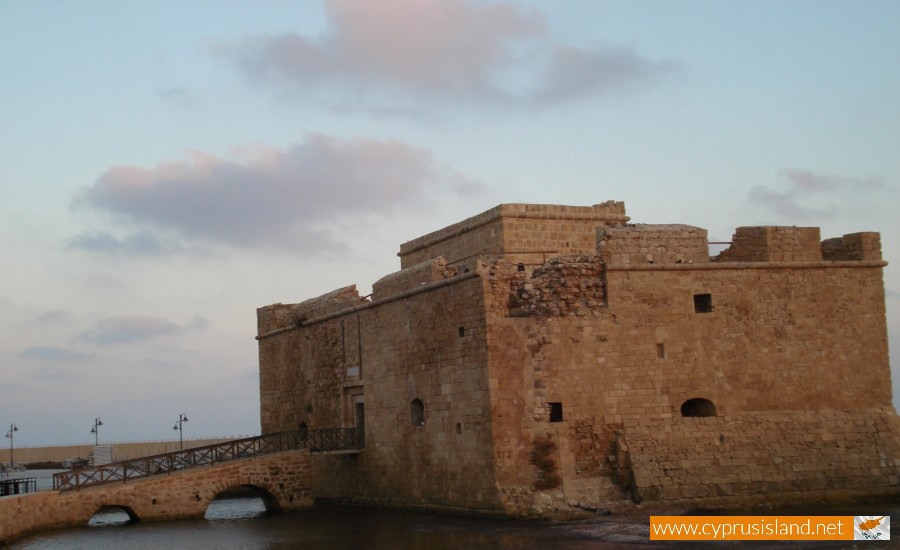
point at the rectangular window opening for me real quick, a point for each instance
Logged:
(459, 427)
(462, 331)
(661, 351)
(702, 303)
(556, 412)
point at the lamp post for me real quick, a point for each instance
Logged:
(9, 435)
(96, 431)
(182, 418)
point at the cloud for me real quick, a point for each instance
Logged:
(456, 49)
(809, 195)
(135, 328)
(142, 243)
(55, 374)
(268, 197)
(54, 354)
(53, 317)
(574, 73)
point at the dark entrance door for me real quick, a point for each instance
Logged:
(361, 424)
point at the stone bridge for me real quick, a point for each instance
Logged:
(282, 478)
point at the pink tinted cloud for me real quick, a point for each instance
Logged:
(428, 44)
(269, 197)
(442, 48)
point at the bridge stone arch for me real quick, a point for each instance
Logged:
(285, 477)
(109, 508)
(269, 500)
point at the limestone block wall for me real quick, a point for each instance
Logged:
(784, 457)
(774, 338)
(777, 338)
(435, 269)
(652, 244)
(773, 244)
(854, 246)
(426, 346)
(284, 480)
(528, 233)
(279, 316)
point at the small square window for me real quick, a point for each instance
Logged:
(556, 414)
(702, 303)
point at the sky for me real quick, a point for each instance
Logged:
(168, 167)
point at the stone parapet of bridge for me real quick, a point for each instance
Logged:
(283, 480)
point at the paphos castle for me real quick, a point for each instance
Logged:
(537, 357)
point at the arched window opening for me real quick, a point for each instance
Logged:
(698, 407)
(109, 515)
(241, 502)
(417, 413)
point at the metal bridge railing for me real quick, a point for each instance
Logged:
(326, 439)
(18, 486)
(336, 439)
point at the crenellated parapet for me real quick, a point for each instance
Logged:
(773, 244)
(853, 247)
(281, 316)
(416, 276)
(652, 244)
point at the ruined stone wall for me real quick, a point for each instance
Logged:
(789, 457)
(773, 244)
(427, 345)
(855, 246)
(528, 233)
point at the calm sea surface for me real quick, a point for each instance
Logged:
(243, 524)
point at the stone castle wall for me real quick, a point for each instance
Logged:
(565, 382)
(652, 244)
(779, 340)
(774, 244)
(425, 343)
(792, 457)
(527, 233)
